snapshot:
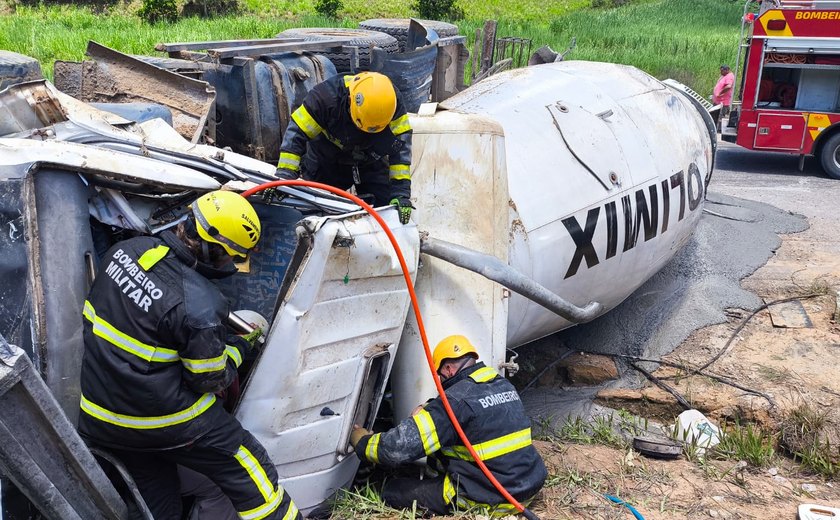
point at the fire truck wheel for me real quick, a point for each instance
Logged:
(830, 156)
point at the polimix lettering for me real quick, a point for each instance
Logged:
(642, 216)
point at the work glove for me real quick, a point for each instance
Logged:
(286, 175)
(357, 434)
(403, 205)
(252, 338)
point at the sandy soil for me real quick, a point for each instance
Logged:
(668, 489)
(791, 365)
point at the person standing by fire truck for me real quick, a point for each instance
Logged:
(722, 94)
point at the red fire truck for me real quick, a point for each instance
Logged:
(790, 81)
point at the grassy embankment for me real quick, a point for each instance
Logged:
(683, 39)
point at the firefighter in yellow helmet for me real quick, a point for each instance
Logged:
(352, 131)
(489, 410)
(156, 353)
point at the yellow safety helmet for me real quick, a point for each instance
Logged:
(452, 347)
(228, 219)
(373, 101)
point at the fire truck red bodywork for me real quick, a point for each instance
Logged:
(790, 92)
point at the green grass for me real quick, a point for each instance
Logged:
(806, 434)
(365, 503)
(520, 10)
(748, 443)
(683, 39)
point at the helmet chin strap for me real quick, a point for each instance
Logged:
(205, 252)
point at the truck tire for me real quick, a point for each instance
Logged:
(398, 28)
(361, 38)
(17, 68)
(830, 156)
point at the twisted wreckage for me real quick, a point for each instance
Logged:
(545, 196)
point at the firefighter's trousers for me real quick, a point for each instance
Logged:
(231, 457)
(399, 493)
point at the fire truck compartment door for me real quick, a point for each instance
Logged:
(803, 45)
(780, 132)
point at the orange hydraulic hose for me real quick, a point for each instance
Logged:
(501, 489)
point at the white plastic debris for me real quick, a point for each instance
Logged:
(694, 428)
(817, 512)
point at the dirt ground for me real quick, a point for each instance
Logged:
(662, 490)
(793, 365)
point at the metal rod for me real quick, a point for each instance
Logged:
(256, 50)
(198, 46)
(500, 272)
(244, 327)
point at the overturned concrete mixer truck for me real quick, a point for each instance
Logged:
(544, 197)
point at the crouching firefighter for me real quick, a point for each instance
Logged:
(490, 413)
(156, 352)
(352, 131)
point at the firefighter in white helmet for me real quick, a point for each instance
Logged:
(352, 131)
(156, 353)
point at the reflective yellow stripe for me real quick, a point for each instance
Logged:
(334, 141)
(152, 256)
(233, 353)
(306, 122)
(123, 341)
(289, 161)
(291, 512)
(497, 510)
(450, 495)
(484, 374)
(201, 366)
(148, 423)
(269, 507)
(428, 432)
(256, 472)
(492, 448)
(372, 448)
(448, 490)
(399, 172)
(400, 125)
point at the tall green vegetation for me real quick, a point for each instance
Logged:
(683, 39)
(328, 8)
(438, 9)
(154, 11)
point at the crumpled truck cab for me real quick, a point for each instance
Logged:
(74, 180)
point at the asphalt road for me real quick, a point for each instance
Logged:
(774, 178)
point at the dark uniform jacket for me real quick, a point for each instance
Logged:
(155, 348)
(492, 416)
(325, 116)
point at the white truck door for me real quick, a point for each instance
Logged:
(329, 351)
